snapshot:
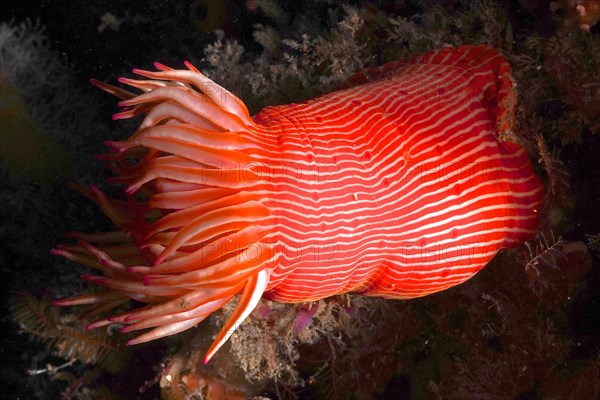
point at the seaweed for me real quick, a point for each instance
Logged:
(539, 253)
(67, 335)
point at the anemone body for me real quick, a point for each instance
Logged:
(396, 187)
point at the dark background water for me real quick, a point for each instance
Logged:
(170, 32)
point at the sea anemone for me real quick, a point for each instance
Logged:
(397, 187)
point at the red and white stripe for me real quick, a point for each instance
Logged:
(398, 195)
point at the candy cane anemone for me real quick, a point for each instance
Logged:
(397, 187)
